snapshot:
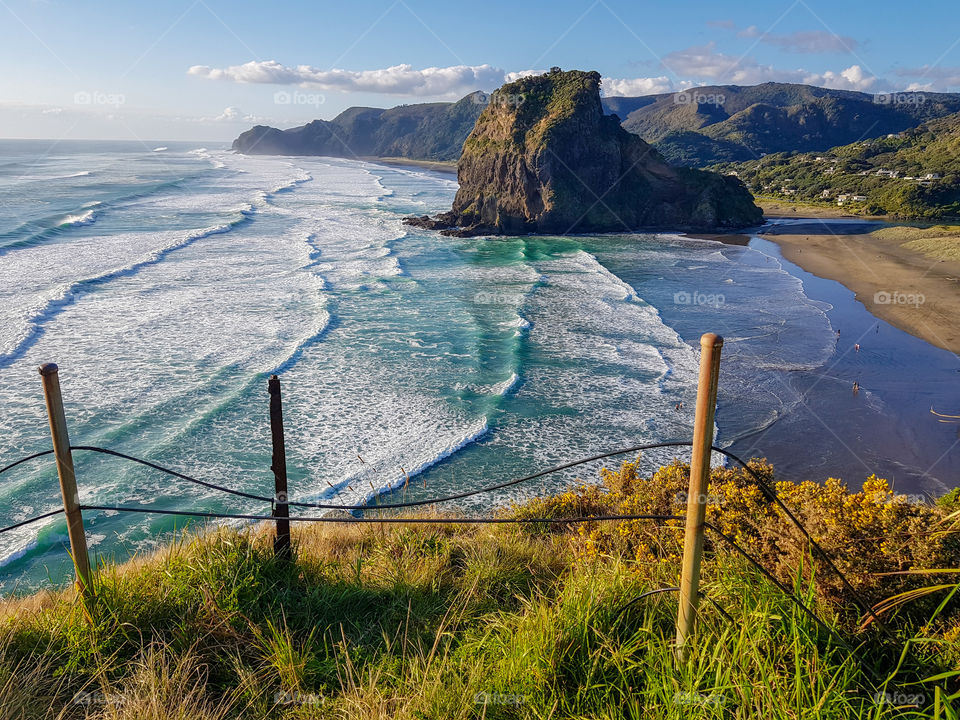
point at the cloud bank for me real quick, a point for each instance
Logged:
(396, 80)
(705, 63)
(702, 64)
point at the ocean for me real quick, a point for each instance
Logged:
(169, 281)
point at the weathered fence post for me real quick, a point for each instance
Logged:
(710, 345)
(281, 543)
(68, 479)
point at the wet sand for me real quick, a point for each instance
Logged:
(887, 427)
(911, 290)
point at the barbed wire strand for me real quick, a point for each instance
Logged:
(764, 486)
(393, 520)
(793, 597)
(31, 520)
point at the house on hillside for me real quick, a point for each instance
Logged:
(847, 197)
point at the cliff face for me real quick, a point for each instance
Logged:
(544, 158)
(426, 131)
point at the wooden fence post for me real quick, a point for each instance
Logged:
(710, 345)
(281, 543)
(68, 479)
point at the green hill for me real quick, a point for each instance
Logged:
(696, 128)
(712, 124)
(910, 174)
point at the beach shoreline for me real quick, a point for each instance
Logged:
(442, 166)
(913, 291)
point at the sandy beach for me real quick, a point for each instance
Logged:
(918, 292)
(435, 165)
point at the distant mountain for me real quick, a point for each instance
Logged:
(427, 131)
(695, 128)
(556, 163)
(712, 124)
(911, 174)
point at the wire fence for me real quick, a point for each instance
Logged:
(764, 486)
(280, 503)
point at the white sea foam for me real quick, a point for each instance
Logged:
(397, 350)
(87, 217)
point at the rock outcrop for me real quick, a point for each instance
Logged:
(543, 158)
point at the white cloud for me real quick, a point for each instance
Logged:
(512, 76)
(802, 41)
(811, 41)
(396, 80)
(932, 77)
(705, 63)
(229, 115)
(853, 78)
(631, 87)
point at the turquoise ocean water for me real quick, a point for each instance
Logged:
(169, 283)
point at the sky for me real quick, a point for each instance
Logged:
(208, 69)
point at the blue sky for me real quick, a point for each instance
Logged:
(208, 69)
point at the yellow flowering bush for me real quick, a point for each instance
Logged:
(865, 532)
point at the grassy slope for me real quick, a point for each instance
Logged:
(433, 621)
(939, 241)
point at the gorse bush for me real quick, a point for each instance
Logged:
(866, 533)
